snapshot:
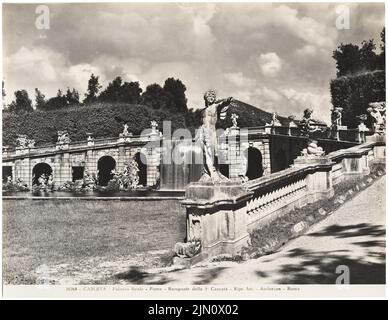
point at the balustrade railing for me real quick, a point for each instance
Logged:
(275, 191)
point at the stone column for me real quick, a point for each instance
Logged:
(266, 158)
(153, 156)
(65, 168)
(234, 153)
(58, 181)
(121, 158)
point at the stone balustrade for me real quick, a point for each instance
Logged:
(72, 146)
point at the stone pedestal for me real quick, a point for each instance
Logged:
(319, 181)
(153, 158)
(216, 215)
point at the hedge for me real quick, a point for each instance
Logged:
(103, 120)
(354, 93)
(106, 120)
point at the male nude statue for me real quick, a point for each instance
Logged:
(207, 133)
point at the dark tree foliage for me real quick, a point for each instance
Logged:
(381, 57)
(58, 102)
(360, 78)
(157, 98)
(40, 101)
(352, 59)
(72, 97)
(177, 90)
(4, 95)
(22, 102)
(117, 91)
(102, 119)
(354, 93)
(93, 89)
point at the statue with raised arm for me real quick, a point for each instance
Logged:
(377, 112)
(207, 134)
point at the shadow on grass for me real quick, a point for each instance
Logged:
(136, 275)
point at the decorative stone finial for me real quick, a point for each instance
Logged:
(234, 118)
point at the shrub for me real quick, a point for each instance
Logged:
(102, 119)
(354, 93)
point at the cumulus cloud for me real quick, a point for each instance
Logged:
(239, 80)
(270, 64)
(43, 68)
(274, 56)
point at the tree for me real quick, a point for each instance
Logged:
(93, 89)
(381, 57)
(39, 100)
(131, 92)
(157, 98)
(60, 101)
(117, 91)
(72, 97)
(22, 102)
(352, 59)
(368, 58)
(347, 58)
(177, 90)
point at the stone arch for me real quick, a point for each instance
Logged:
(105, 165)
(254, 161)
(140, 159)
(38, 170)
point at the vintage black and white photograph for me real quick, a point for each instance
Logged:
(193, 149)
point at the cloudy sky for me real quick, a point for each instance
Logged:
(274, 56)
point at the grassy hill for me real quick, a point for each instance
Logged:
(249, 116)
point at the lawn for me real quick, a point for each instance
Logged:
(41, 232)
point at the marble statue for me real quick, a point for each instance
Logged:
(89, 181)
(292, 123)
(188, 249)
(377, 112)
(63, 137)
(308, 125)
(206, 134)
(125, 130)
(24, 142)
(313, 149)
(336, 117)
(362, 127)
(274, 121)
